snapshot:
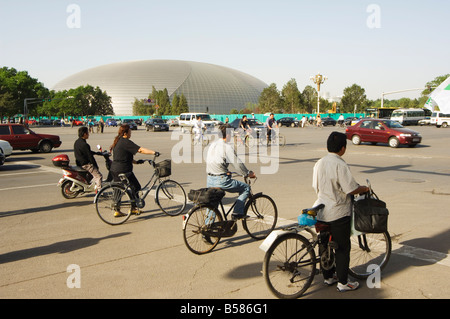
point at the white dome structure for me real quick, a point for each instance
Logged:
(207, 87)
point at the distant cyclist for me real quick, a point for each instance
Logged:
(271, 123)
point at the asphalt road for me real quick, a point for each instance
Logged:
(43, 235)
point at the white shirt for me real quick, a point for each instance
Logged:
(333, 182)
(220, 155)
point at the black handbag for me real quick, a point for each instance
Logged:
(370, 214)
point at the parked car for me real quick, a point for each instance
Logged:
(288, 121)
(425, 121)
(326, 121)
(156, 125)
(22, 138)
(5, 148)
(111, 122)
(173, 121)
(130, 123)
(45, 122)
(77, 122)
(350, 120)
(2, 158)
(382, 131)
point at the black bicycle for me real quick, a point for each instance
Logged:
(291, 259)
(116, 202)
(204, 225)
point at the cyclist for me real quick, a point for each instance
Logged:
(198, 127)
(123, 151)
(219, 156)
(244, 128)
(341, 120)
(270, 123)
(334, 184)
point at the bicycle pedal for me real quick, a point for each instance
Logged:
(333, 245)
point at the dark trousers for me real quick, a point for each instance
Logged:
(134, 183)
(340, 230)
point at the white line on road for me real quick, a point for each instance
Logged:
(29, 186)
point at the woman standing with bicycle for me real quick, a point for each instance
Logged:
(123, 150)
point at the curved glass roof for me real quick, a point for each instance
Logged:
(207, 87)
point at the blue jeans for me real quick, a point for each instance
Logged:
(232, 186)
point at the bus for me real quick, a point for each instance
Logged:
(408, 116)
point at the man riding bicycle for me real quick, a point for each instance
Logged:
(219, 156)
(270, 123)
(244, 128)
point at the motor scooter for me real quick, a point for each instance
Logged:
(76, 180)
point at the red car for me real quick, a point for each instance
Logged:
(22, 138)
(382, 131)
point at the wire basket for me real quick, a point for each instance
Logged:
(164, 168)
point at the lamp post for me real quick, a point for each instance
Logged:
(318, 79)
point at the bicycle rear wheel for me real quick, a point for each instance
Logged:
(113, 204)
(289, 266)
(199, 232)
(262, 215)
(366, 250)
(170, 197)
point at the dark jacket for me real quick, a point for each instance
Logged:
(83, 153)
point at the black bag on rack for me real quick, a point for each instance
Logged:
(211, 195)
(370, 214)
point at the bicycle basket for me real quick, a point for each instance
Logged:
(206, 195)
(164, 168)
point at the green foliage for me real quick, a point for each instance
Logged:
(82, 101)
(15, 87)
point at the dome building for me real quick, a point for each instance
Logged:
(207, 87)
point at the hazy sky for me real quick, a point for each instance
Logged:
(381, 45)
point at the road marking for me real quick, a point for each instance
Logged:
(30, 186)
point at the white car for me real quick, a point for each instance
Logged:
(6, 148)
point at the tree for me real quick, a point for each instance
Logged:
(183, 104)
(270, 100)
(434, 84)
(81, 101)
(354, 95)
(15, 87)
(309, 98)
(291, 96)
(175, 109)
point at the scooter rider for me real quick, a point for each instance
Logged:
(85, 157)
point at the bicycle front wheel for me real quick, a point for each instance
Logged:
(200, 231)
(170, 197)
(281, 140)
(368, 250)
(262, 215)
(113, 204)
(289, 266)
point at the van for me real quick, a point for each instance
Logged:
(186, 119)
(440, 119)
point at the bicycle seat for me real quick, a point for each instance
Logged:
(313, 211)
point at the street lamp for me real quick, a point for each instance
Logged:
(318, 79)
